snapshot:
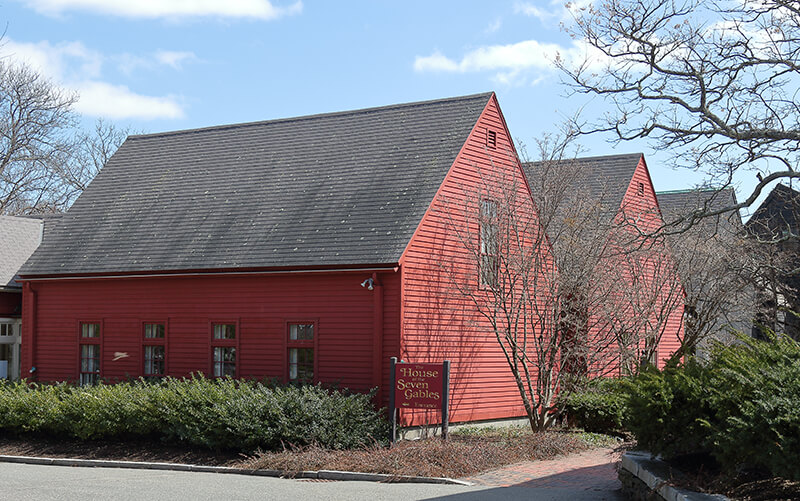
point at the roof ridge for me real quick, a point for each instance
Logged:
(693, 190)
(309, 117)
(594, 157)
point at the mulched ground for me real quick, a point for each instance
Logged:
(700, 473)
(120, 451)
(461, 455)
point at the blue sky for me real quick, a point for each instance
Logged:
(158, 65)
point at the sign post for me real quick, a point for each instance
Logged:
(419, 386)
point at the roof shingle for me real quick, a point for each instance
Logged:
(337, 189)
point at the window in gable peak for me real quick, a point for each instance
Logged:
(491, 138)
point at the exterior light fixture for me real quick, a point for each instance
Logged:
(367, 283)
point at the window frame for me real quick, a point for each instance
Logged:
(289, 344)
(224, 343)
(154, 341)
(90, 341)
(484, 256)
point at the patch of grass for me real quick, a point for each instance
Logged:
(467, 452)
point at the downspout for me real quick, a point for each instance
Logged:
(377, 338)
(29, 329)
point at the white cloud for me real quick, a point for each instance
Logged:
(73, 66)
(151, 9)
(174, 58)
(509, 62)
(62, 61)
(103, 99)
(494, 26)
(435, 62)
(528, 9)
(555, 10)
(129, 63)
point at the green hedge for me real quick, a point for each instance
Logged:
(597, 405)
(742, 407)
(214, 413)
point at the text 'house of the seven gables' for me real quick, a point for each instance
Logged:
(302, 249)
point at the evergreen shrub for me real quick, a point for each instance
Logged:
(214, 413)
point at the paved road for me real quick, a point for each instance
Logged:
(582, 477)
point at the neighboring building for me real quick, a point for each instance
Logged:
(19, 237)
(636, 298)
(777, 220)
(302, 249)
(719, 300)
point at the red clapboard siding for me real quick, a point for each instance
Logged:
(640, 205)
(261, 306)
(437, 322)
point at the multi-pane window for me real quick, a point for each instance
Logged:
(89, 372)
(489, 244)
(154, 350)
(301, 353)
(223, 345)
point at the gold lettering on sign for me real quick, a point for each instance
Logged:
(408, 372)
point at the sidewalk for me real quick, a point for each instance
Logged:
(593, 472)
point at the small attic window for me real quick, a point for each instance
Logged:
(491, 138)
(641, 189)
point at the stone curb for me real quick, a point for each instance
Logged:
(655, 474)
(320, 475)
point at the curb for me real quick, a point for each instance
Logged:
(655, 474)
(320, 475)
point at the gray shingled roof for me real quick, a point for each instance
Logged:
(336, 189)
(678, 204)
(605, 178)
(19, 237)
(780, 211)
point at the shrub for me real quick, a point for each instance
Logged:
(668, 411)
(741, 407)
(212, 413)
(598, 405)
(756, 396)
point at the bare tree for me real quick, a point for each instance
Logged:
(550, 276)
(713, 83)
(712, 258)
(35, 139)
(91, 151)
(773, 262)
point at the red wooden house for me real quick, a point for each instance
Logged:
(302, 249)
(640, 313)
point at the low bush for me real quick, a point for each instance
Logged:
(668, 411)
(597, 405)
(756, 397)
(212, 413)
(742, 407)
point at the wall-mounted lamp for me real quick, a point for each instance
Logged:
(367, 283)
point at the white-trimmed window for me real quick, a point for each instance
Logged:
(489, 244)
(9, 348)
(223, 348)
(154, 350)
(300, 354)
(89, 369)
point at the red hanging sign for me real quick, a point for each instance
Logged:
(418, 386)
